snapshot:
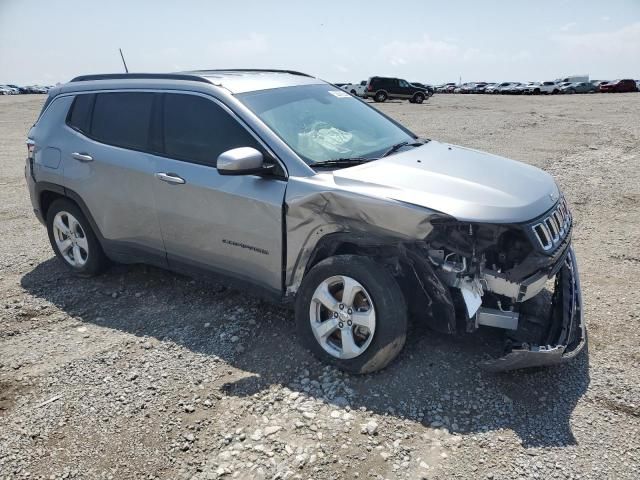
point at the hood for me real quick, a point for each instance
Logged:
(467, 184)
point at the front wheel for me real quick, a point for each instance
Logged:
(418, 98)
(351, 313)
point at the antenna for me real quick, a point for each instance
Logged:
(125, 63)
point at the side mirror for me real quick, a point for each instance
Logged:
(241, 161)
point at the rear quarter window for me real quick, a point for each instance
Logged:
(79, 117)
(122, 119)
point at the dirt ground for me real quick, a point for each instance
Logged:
(141, 373)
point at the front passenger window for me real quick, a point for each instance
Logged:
(198, 130)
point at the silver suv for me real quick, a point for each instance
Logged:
(283, 182)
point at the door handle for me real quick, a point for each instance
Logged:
(170, 178)
(83, 157)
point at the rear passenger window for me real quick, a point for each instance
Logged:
(198, 130)
(80, 115)
(122, 119)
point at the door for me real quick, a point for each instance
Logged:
(404, 89)
(105, 163)
(228, 224)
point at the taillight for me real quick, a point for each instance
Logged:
(369, 88)
(31, 147)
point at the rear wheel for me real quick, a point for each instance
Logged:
(380, 97)
(73, 240)
(351, 313)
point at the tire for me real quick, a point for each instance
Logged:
(418, 98)
(380, 97)
(379, 298)
(571, 91)
(85, 256)
(536, 91)
(555, 91)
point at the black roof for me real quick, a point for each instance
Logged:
(194, 76)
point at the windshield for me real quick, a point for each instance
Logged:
(321, 123)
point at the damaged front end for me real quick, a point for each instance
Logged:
(502, 275)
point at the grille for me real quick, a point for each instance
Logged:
(551, 230)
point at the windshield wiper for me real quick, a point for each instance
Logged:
(398, 146)
(342, 162)
(351, 161)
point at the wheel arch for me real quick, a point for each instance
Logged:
(50, 192)
(422, 289)
(46, 198)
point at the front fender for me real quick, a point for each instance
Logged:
(316, 207)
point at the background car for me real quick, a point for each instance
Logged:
(10, 90)
(528, 88)
(619, 86)
(446, 88)
(495, 88)
(484, 87)
(19, 89)
(537, 88)
(429, 88)
(356, 89)
(564, 84)
(464, 88)
(514, 88)
(382, 89)
(478, 87)
(579, 87)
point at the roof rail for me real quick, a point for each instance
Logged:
(149, 76)
(248, 70)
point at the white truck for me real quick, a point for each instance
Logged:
(573, 79)
(357, 89)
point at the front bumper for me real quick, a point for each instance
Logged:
(567, 325)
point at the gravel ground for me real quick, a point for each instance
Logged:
(141, 373)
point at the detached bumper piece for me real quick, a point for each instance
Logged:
(567, 328)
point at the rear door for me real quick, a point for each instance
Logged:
(213, 222)
(106, 163)
(392, 86)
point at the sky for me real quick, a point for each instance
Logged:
(347, 41)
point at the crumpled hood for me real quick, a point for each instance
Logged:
(467, 184)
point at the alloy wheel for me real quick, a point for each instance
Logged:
(70, 239)
(342, 316)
